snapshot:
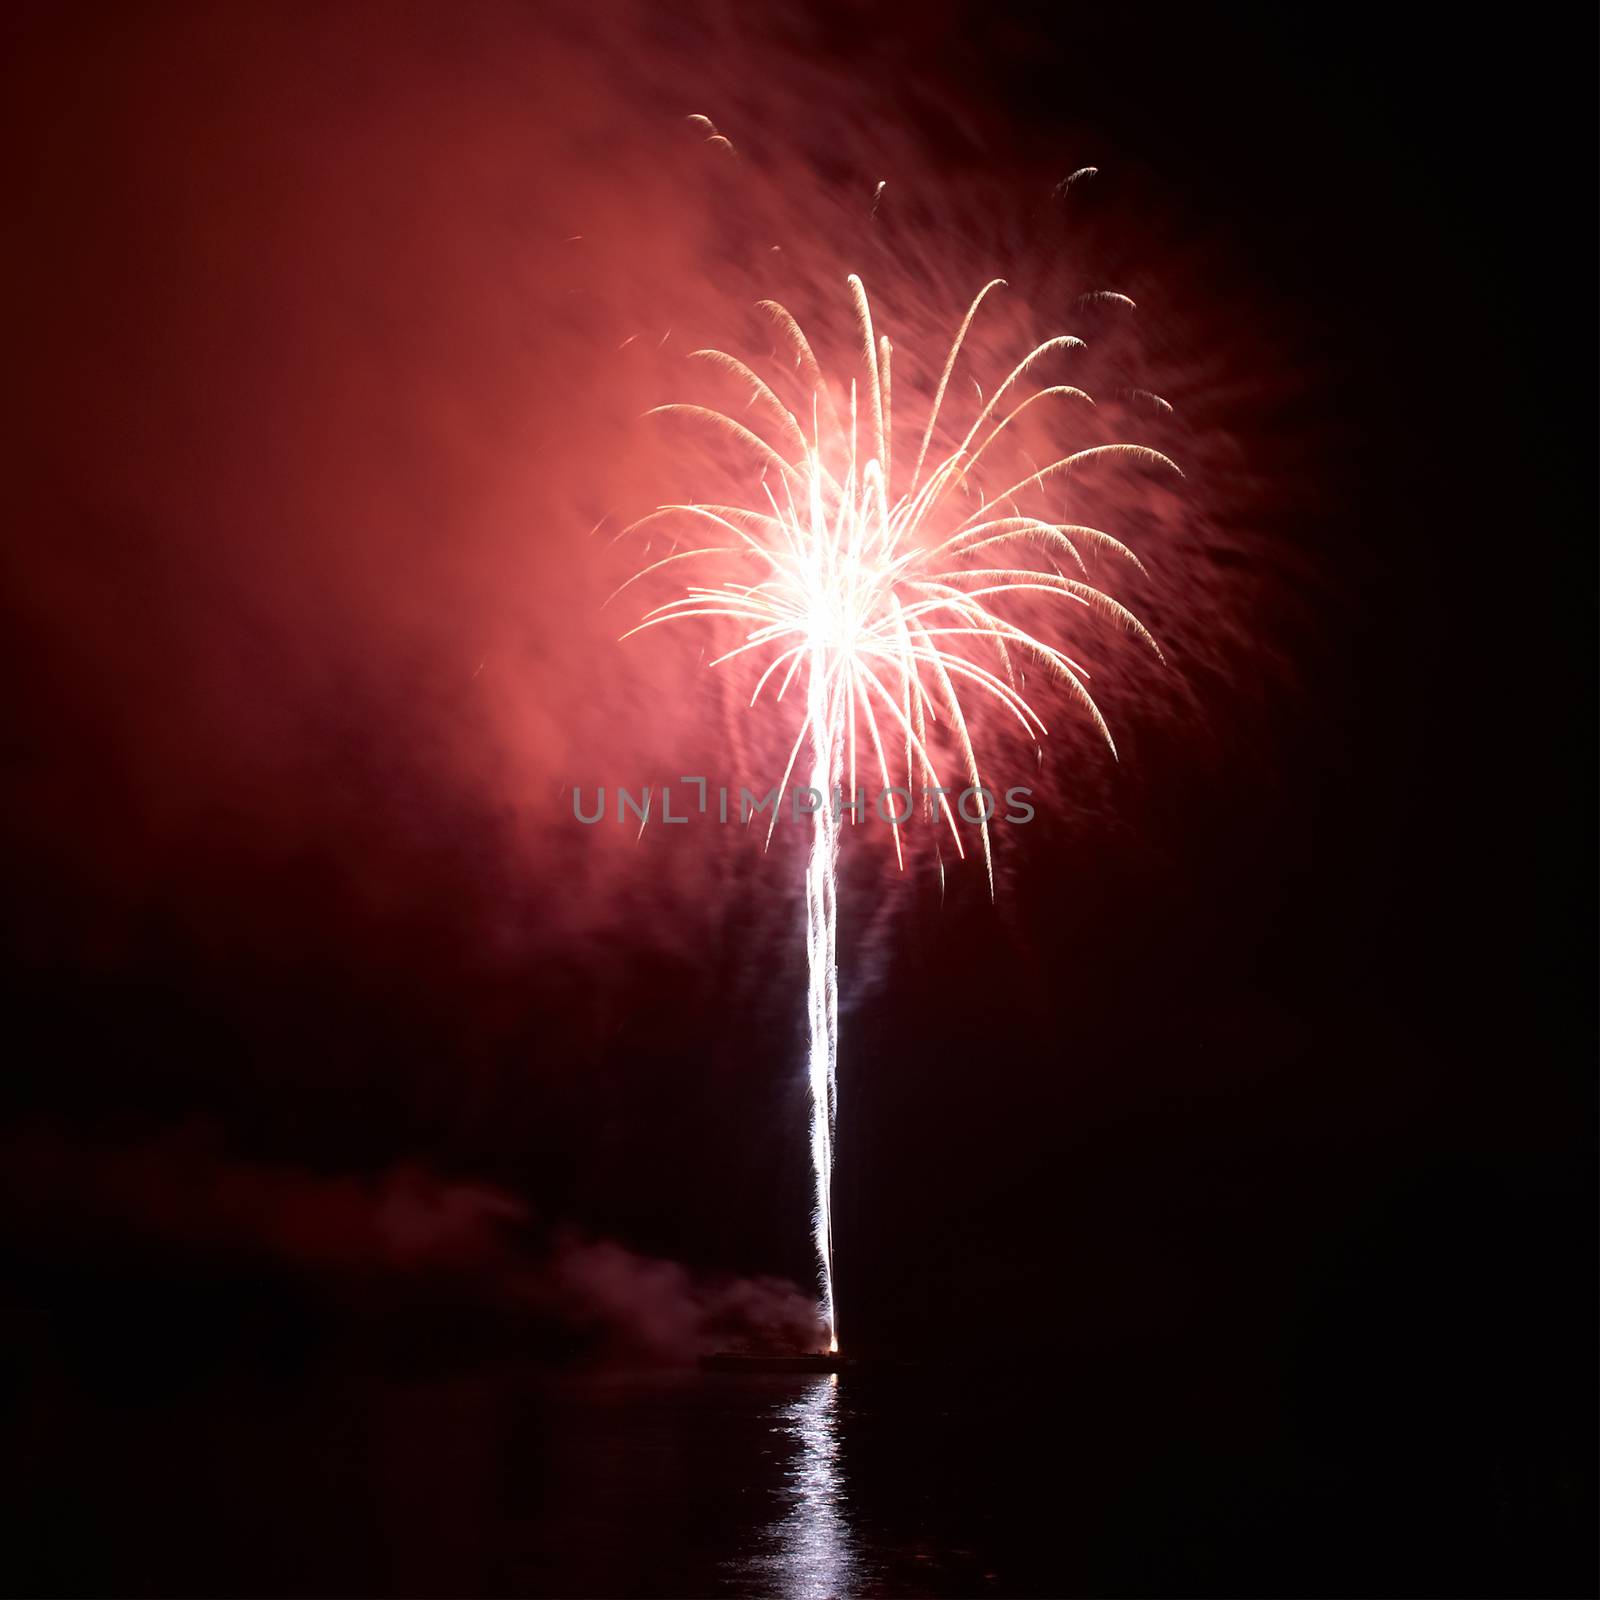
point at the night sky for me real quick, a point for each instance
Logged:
(1263, 1091)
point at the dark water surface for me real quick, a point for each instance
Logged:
(989, 1478)
(500, 1481)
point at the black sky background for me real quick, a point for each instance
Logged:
(1271, 1104)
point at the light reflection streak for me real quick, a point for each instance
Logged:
(809, 1550)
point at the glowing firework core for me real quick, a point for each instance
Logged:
(884, 598)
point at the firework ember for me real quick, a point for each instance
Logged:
(886, 589)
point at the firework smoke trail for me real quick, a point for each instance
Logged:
(885, 598)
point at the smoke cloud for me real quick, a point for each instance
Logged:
(340, 331)
(366, 1240)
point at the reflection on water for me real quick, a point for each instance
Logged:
(808, 1551)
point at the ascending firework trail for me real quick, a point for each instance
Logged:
(884, 592)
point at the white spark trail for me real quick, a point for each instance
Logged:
(887, 603)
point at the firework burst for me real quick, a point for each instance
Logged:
(887, 589)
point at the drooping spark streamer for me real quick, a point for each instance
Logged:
(885, 597)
